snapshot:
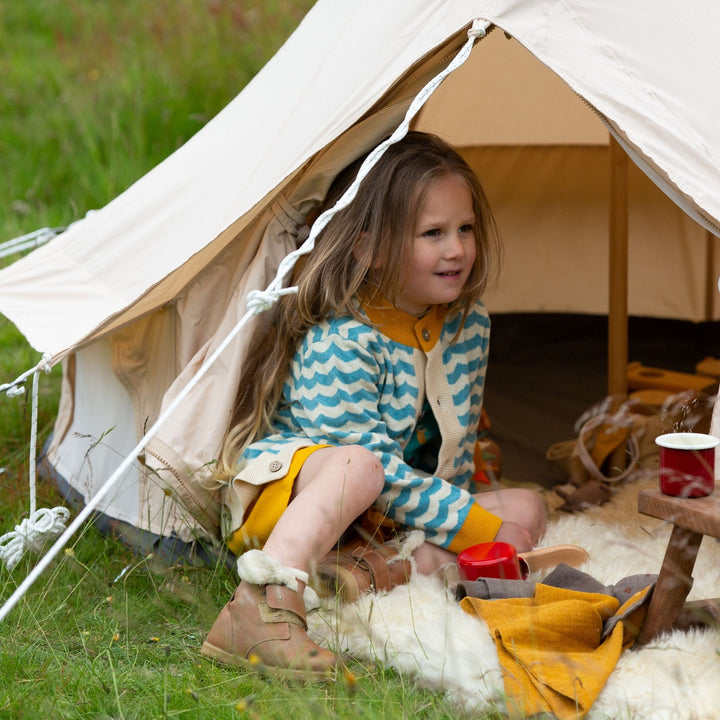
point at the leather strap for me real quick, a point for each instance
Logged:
(375, 564)
(282, 605)
(594, 425)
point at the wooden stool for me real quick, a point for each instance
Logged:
(691, 518)
(640, 377)
(708, 366)
(654, 397)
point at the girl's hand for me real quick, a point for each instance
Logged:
(516, 535)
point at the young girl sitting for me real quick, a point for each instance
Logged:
(366, 403)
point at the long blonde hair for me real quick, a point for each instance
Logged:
(376, 229)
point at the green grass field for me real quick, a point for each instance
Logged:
(95, 93)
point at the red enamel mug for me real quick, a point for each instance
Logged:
(491, 560)
(687, 464)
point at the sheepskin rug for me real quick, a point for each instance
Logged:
(420, 630)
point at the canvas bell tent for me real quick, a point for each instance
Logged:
(137, 296)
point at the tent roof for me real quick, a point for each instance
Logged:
(642, 66)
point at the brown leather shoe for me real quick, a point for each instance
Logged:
(349, 575)
(264, 628)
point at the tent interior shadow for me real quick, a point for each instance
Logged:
(546, 370)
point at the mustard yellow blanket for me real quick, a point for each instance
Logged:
(551, 646)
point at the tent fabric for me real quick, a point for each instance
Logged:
(638, 66)
(160, 274)
(551, 206)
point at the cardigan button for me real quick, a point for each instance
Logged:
(426, 335)
(274, 466)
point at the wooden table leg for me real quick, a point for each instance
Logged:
(673, 584)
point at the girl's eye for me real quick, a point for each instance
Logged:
(466, 228)
(434, 232)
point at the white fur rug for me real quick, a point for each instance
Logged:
(420, 630)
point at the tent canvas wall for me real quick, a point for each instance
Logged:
(543, 156)
(136, 296)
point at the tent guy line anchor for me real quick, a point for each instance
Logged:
(46, 523)
(257, 301)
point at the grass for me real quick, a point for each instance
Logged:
(95, 648)
(86, 645)
(93, 95)
(105, 636)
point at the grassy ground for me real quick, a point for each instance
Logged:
(93, 95)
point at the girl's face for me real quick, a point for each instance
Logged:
(443, 248)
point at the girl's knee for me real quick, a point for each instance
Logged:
(362, 470)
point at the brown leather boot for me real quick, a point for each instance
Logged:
(263, 627)
(349, 575)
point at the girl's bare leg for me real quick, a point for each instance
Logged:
(429, 557)
(522, 510)
(524, 518)
(337, 484)
(334, 487)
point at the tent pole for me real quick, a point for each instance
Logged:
(618, 286)
(618, 263)
(710, 281)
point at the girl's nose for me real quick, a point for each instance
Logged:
(454, 246)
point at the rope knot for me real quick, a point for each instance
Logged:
(260, 300)
(478, 29)
(44, 363)
(17, 386)
(32, 533)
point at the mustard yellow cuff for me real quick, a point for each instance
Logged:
(480, 526)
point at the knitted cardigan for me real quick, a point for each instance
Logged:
(354, 383)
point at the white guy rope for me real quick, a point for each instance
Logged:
(32, 534)
(29, 241)
(16, 387)
(41, 525)
(257, 302)
(265, 298)
(35, 238)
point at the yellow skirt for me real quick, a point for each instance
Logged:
(262, 516)
(269, 505)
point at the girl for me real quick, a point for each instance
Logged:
(367, 398)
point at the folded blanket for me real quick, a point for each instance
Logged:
(563, 576)
(558, 646)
